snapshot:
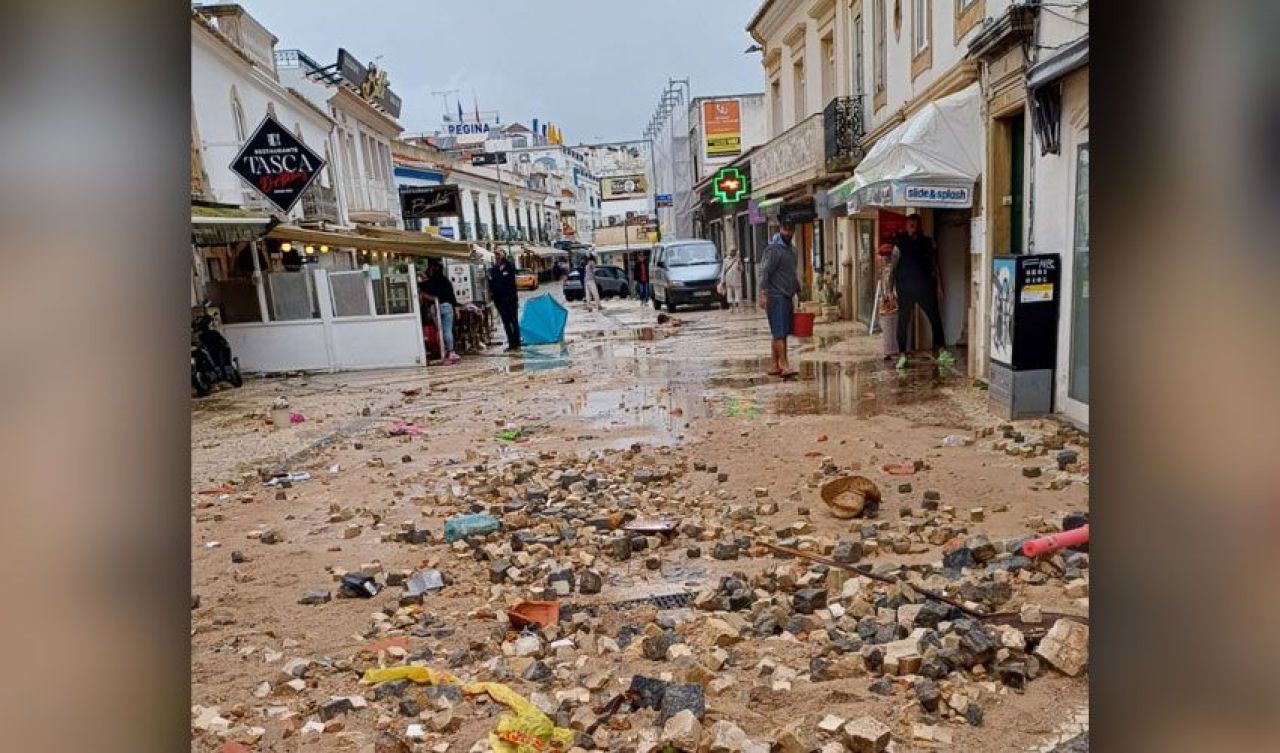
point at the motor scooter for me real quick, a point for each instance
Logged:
(211, 358)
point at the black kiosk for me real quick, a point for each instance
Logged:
(1025, 295)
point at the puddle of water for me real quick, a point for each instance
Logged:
(862, 388)
(667, 407)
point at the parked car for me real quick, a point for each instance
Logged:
(610, 281)
(526, 279)
(685, 272)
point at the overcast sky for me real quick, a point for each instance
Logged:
(594, 67)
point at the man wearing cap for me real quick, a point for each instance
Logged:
(778, 287)
(502, 288)
(916, 282)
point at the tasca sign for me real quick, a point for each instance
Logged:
(277, 164)
(430, 201)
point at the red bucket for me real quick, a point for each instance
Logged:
(802, 324)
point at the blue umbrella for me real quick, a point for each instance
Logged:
(542, 321)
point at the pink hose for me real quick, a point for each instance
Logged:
(1047, 544)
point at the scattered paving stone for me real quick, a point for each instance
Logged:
(866, 735)
(809, 600)
(725, 550)
(537, 672)
(882, 686)
(334, 708)
(1031, 471)
(316, 596)
(981, 547)
(973, 715)
(1066, 647)
(590, 582)
(928, 694)
(847, 551)
(678, 698)
(683, 731)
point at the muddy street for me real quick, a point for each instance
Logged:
(634, 476)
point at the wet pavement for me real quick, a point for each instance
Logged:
(685, 389)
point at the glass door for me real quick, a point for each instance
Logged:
(864, 230)
(1078, 387)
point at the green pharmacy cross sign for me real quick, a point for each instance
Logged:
(730, 185)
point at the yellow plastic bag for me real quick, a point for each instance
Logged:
(421, 675)
(529, 731)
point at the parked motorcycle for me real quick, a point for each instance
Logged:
(211, 358)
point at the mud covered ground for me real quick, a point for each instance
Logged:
(626, 393)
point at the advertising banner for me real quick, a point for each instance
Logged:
(722, 124)
(624, 187)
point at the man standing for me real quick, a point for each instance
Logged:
(640, 272)
(502, 288)
(916, 282)
(778, 288)
(590, 291)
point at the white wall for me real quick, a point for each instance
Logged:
(329, 343)
(900, 87)
(215, 72)
(376, 342)
(279, 346)
(1053, 222)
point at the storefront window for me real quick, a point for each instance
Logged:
(1078, 388)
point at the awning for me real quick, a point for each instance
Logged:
(769, 207)
(220, 226)
(931, 160)
(484, 254)
(1066, 60)
(395, 241)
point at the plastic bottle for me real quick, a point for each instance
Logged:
(465, 526)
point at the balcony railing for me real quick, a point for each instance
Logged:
(320, 203)
(843, 128)
(466, 230)
(482, 232)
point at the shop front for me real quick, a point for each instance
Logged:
(929, 164)
(296, 299)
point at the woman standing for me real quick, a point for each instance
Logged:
(731, 279)
(439, 290)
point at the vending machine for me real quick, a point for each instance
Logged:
(1025, 296)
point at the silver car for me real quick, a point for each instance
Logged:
(685, 272)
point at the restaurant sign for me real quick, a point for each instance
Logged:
(277, 164)
(417, 203)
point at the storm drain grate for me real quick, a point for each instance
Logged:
(662, 601)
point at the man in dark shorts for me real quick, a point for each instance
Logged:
(917, 282)
(778, 287)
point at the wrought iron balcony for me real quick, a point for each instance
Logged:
(320, 203)
(843, 128)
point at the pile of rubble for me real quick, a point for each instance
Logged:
(636, 677)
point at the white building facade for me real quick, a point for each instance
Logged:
(364, 131)
(234, 85)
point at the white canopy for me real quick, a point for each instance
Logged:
(930, 160)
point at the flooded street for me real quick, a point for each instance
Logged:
(633, 422)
